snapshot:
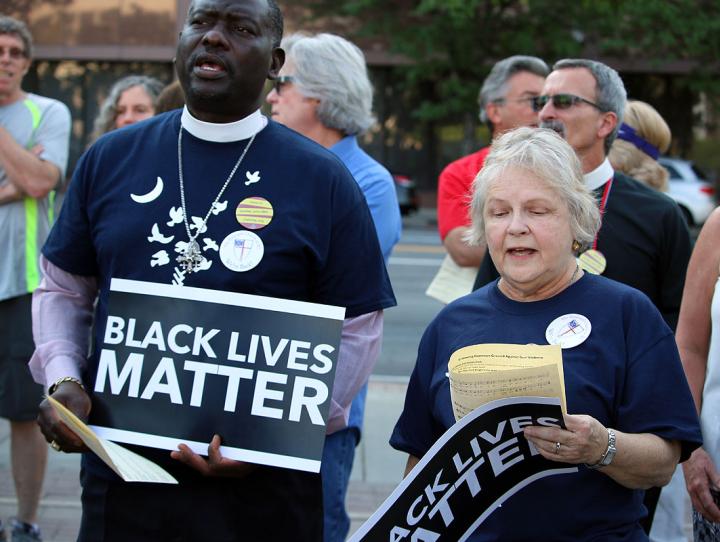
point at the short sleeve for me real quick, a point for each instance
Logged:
(656, 397)
(453, 206)
(354, 274)
(53, 134)
(69, 245)
(417, 429)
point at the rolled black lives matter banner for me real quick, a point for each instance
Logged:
(476, 465)
(179, 364)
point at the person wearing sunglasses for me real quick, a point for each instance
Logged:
(643, 241)
(324, 93)
(506, 102)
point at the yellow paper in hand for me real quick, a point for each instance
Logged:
(484, 372)
(130, 466)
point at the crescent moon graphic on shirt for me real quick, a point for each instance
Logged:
(150, 196)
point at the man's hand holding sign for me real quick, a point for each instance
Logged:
(190, 230)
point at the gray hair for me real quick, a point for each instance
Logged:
(611, 94)
(332, 70)
(495, 85)
(11, 26)
(545, 154)
(105, 121)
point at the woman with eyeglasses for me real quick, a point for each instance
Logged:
(130, 100)
(630, 414)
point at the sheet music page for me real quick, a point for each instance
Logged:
(485, 372)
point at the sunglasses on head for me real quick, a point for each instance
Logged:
(15, 53)
(561, 101)
(281, 81)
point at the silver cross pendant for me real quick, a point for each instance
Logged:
(190, 258)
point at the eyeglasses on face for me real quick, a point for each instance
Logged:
(561, 101)
(281, 81)
(16, 53)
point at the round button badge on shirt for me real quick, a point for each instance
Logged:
(568, 330)
(241, 251)
(254, 213)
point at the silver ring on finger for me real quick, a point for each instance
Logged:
(55, 446)
(557, 448)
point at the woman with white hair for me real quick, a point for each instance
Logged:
(630, 414)
(324, 93)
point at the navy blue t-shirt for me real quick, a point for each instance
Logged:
(627, 374)
(320, 245)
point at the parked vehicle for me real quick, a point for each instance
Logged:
(690, 187)
(406, 194)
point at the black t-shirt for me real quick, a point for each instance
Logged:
(645, 240)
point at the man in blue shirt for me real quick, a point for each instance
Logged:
(324, 93)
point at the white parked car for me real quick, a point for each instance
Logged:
(691, 189)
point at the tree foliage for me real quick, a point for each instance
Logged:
(453, 43)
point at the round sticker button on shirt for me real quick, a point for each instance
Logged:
(254, 213)
(568, 330)
(593, 261)
(241, 251)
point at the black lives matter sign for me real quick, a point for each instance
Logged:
(180, 364)
(477, 464)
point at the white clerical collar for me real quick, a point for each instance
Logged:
(600, 175)
(223, 133)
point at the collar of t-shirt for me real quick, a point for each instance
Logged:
(223, 133)
(599, 176)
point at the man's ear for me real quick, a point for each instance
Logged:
(608, 122)
(277, 59)
(492, 110)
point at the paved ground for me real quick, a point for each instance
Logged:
(377, 470)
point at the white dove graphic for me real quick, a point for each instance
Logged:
(204, 265)
(176, 216)
(160, 258)
(198, 224)
(219, 207)
(158, 237)
(180, 246)
(252, 178)
(210, 244)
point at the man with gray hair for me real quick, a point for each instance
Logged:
(34, 140)
(324, 93)
(644, 241)
(505, 102)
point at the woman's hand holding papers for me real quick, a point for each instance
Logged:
(584, 441)
(215, 464)
(72, 396)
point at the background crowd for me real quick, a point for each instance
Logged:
(570, 190)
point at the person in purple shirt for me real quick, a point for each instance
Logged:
(324, 93)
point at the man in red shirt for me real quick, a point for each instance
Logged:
(505, 101)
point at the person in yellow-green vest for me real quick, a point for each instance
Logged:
(34, 141)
